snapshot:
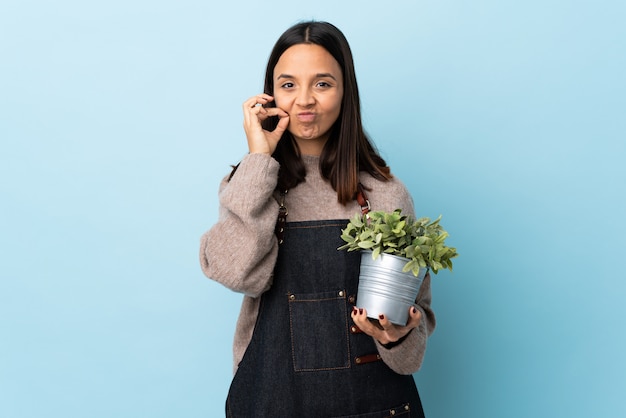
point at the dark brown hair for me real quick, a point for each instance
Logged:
(348, 149)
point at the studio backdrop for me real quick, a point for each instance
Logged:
(118, 120)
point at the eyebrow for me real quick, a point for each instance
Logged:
(318, 75)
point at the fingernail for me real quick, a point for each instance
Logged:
(381, 316)
(361, 311)
(414, 310)
(354, 311)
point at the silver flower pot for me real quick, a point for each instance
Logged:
(385, 289)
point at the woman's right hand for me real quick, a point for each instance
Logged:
(254, 112)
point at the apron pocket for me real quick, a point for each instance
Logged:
(319, 331)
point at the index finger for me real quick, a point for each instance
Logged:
(259, 99)
(275, 111)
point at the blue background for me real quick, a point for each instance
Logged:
(118, 119)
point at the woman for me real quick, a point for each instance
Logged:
(302, 348)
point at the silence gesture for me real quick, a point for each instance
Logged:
(254, 112)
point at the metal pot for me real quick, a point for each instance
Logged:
(385, 289)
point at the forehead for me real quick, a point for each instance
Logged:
(304, 59)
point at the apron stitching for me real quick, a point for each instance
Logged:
(288, 226)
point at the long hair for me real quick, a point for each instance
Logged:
(348, 149)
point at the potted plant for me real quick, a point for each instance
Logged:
(398, 251)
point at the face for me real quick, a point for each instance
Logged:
(308, 85)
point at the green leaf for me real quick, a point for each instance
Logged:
(366, 245)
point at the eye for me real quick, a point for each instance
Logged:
(323, 84)
(287, 85)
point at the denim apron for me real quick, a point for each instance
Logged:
(306, 358)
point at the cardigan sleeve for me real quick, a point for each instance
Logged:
(406, 357)
(240, 250)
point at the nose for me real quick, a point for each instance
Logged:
(305, 98)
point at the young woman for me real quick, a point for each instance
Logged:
(302, 347)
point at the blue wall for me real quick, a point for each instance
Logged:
(118, 119)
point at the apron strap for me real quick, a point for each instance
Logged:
(279, 229)
(361, 197)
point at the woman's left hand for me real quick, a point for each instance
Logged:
(387, 332)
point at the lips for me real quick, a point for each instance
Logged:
(306, 116)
